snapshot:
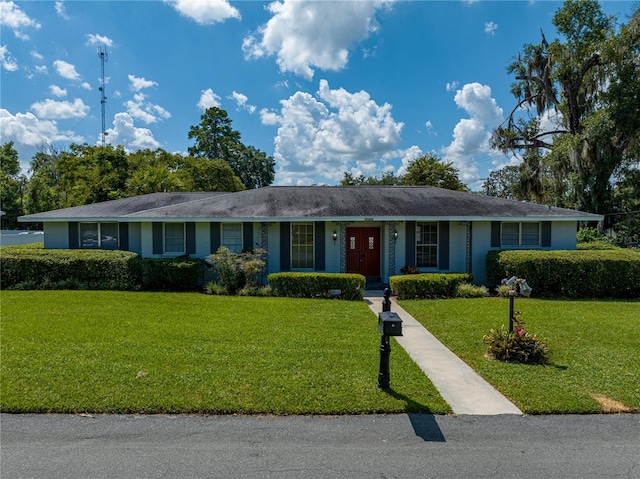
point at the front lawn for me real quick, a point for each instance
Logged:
(125, 352)
(595, 348)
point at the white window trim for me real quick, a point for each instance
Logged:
(313, 241)
(437, 245)
(184, 240)
(241, 234)
(99, 223)
(520, 245)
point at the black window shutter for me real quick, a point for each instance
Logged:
(495, 234)
(443, 245)
(247, 236)
(285, 246)
(73, 235)
(214, 236)
(157, 238)
(411, 243)
(318, 231)
(546, 233)
(123, 232)
(191, 237)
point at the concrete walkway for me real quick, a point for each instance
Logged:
(460, 386)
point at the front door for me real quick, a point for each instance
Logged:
(363, 251)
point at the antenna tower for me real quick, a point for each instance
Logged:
(102, 53)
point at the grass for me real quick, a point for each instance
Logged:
(124, 352)
(595, 348)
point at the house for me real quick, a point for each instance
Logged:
(371, 230)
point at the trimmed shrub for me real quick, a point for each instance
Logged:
(172, 274)
(468, 290)
(317, 285)
(600, 245)
(428, 285)
(33, 267)
(571, 274)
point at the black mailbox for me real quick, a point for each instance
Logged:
(389, 324)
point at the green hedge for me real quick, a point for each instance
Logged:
(428, 285)
(33, 267)
(173, 274)
(571, 274)
(314, 285)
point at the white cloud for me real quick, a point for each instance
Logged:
(205, 12)
(320, 138)
(241, 101)
(27, 129)
(471, 135)
(490, 28)
(138, 84)
(208, 99)
(6, 60)
(36, 55)
(42, 69)
(304, 35)
(66, 70)
(125, 133)
(141, 109)
(52, 109)
(61, 10)
(86, 86)
(452, 86)
(57, 91)
(13, 17)
(95, 39)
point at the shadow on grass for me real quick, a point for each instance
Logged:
(424, 424)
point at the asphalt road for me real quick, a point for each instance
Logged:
(376, 446)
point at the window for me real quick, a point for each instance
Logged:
(520, 234)
(174, 238)
(99, 235)
(302, 246)
(232, 236)
(427, 245)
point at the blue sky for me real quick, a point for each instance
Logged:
(324, 87)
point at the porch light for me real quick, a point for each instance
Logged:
(395, 235)
(335, 236)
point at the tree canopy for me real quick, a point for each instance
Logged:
(216, 139)
(581, 95)
(428, 170)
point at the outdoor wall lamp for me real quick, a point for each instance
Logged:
(335, 236)
(395, 235)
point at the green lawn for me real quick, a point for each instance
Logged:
(595, 349)
(123, 352)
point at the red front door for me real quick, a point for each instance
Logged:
(363, 251)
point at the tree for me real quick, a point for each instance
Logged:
(502, 183)
(11, 186)
(43, 190)
(387, 178)
(588, 81)
(429, 170)
(90, 174)
(216, 139)
(154, 171)
(201, 174)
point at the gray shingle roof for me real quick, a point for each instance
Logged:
(312, 202)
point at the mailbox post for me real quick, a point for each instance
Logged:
(386, 302)
(517, 287)
(389, 324)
